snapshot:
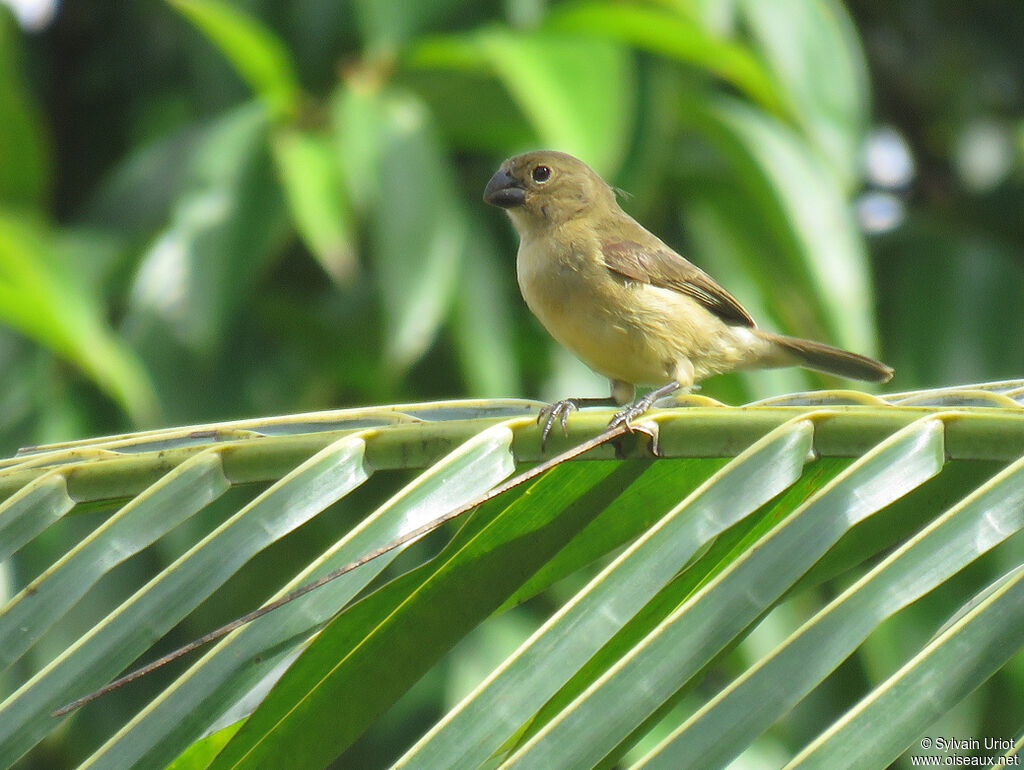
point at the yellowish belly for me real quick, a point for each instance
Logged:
(630, 331)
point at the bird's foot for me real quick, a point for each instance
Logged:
(558, 411)
(625, 417)
(626, 443)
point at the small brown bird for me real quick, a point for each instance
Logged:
(626, 304)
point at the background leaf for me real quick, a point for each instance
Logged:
(418, 229)
(821, 244)
(253, 50)
(217, 210)
(825, 76)
(316, 195)
(43, 300)
(24, 156)
(675, 35)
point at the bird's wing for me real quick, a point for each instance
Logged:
(660, 266)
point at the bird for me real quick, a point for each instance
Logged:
(625, 303)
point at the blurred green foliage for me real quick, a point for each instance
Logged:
(212, 210)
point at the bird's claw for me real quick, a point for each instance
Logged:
(560, 410)
(625, 417)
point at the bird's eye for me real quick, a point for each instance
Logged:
(541, 174)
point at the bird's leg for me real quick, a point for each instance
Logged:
(641, 405)
(560, 411)
(621, 393)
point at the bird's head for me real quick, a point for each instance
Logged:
(544, 188)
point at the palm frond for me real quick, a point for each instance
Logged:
(742, 509)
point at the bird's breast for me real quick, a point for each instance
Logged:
(561, 286)
(589, 311)
(626, 330)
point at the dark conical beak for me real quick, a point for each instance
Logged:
(504, 190)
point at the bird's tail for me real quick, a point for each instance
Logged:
(825, 358)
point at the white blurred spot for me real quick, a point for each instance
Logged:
(524, 14)
(888, 161)
(983, 154)
(162, 277)
(33, 15)
(407, 115)
(879, 212)
(162, 283)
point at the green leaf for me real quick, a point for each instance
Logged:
(482, 319)
(418, 230)
(157, 607)
(226, 224)
(891, 717)
(650, 497)
(812, 48)
(961, 266)
(792, 189)
(734, 717)
(575, 92)
(394, 164)
(251, 658)
(675, 36)
(608, 711)
(137, 194)
(43, 299)
(891, 527)
(200, 754)
(181, 493)
(478, 726)
(357, 118)
(385, 25)
(714, 560)
(810, 473)
(466, 585)
(31, 510)
(311, 177)
(470, 112)
(258, 56)
(24, 154)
